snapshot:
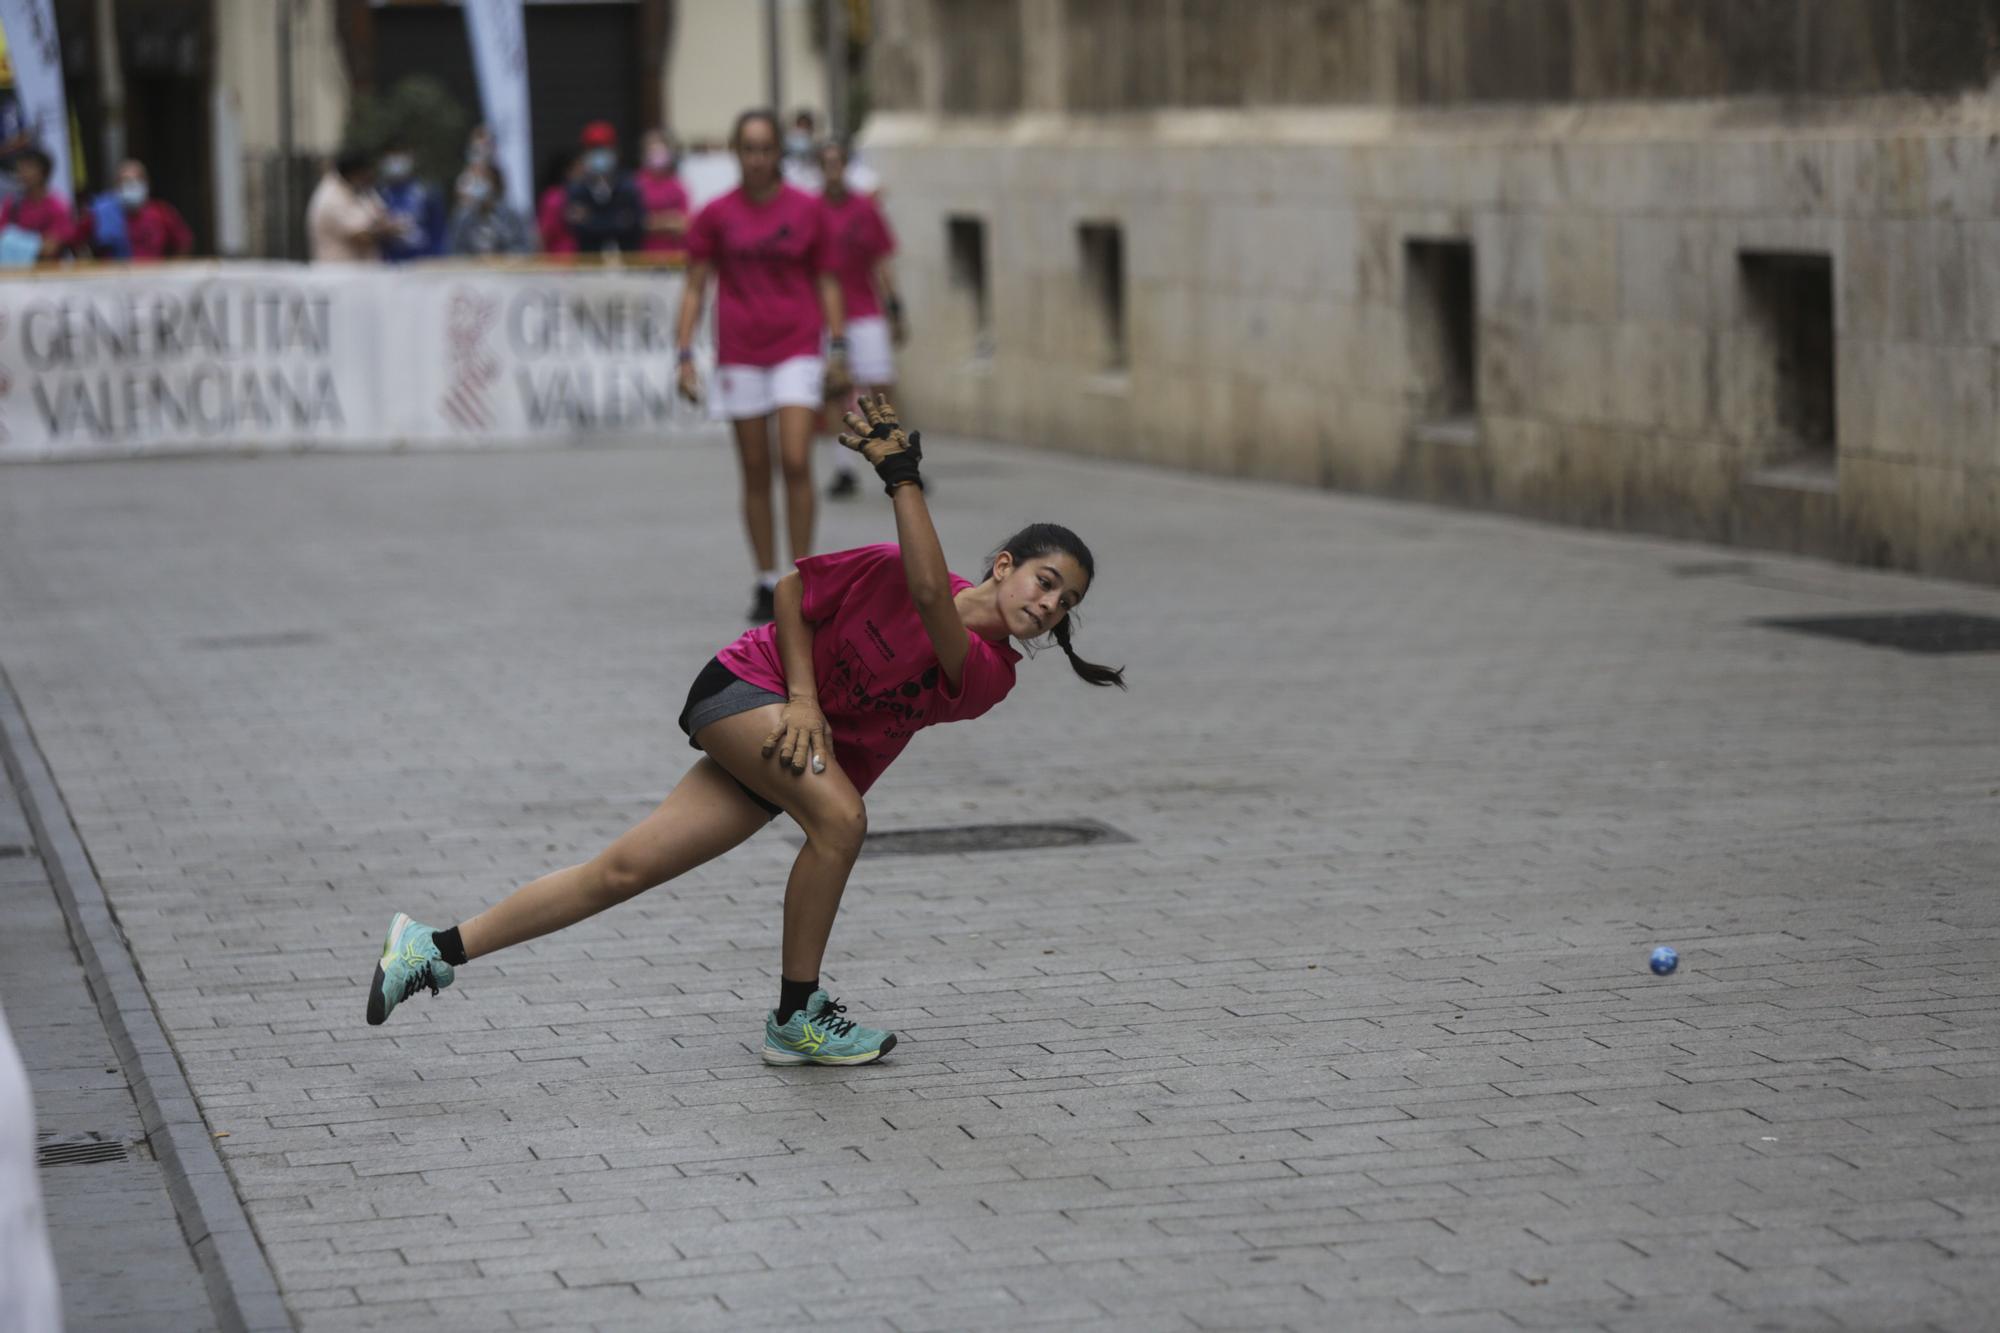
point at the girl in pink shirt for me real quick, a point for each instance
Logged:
(563, 167)
(768, 247)
(665, 199)
(800, 717)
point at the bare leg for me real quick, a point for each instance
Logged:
(825, 805)
(704, 816)
(753, 451)
(795, 437)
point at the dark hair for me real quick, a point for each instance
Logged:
(37, 156)
(765, 114)
(352, 162)
(1054, 539)
(555, 168)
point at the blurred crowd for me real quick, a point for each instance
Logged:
(591, 199)
(377, 207)
(127, 222)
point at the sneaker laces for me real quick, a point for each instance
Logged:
(418, 979)
(828, 1018)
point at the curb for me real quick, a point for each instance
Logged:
(241, 1287)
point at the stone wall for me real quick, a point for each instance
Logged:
(1125, 55)
(1642, 323)
(1765, 319)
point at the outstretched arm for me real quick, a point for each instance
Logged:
(880, 438)
(930, 581)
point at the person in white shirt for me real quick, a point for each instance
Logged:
(30, 1300)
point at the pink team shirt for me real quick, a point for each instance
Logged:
(661, 193)
(768, 258)
(878, 676)
(861, 238)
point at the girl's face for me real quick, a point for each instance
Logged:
(757, 153)
(1037, 593)
(833, 167)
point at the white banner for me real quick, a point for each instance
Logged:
(246, 357)
(35, 51)
(500, 56)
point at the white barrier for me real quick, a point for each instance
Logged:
(242, 357)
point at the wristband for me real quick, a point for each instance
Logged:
(685, 355)
(837, 346)
(898, 468)
(895, 307)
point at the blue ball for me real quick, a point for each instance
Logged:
(1664, 960)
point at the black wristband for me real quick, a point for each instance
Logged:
(897, 469)
(901, 467)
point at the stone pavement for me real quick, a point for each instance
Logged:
(1356, 1033)
(123, 1261)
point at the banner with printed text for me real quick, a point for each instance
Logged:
(247, 357)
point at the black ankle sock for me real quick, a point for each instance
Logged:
(449, 946)
(792, 996)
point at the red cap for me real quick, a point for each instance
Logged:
(600, 134)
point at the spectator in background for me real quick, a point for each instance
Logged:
(862, 245)
(801, 150)
(414, 204)
(664, 197)
(128, 223)
(484, 223)
(479, 145)
(34, 224)
(604, 211)
(345, 222)
(30, 1297)
(562, 170)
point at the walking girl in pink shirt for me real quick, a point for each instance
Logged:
(771, 253)
(800, 717)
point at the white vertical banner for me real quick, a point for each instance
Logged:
(36, 54)
(500, 56)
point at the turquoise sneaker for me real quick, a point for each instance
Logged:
(818, 1035)
(410, 962)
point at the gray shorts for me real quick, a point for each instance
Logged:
(718, 693)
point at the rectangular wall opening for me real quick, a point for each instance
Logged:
(1788, 298)
(1103, 247)
(1442, 318)
(965, 244)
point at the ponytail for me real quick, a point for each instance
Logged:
(1089, 671)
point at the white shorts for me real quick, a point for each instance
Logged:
(743, 393)
(869, 358)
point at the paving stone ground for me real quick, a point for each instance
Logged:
(124, 1264)
(1357, 1032)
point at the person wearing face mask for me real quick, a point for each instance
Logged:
(415, 206)
(664, 197)
(128, 223)
(604, 211)
(483, 224)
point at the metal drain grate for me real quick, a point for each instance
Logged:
(989, 838)
(283, 639)
(84, 1151)
(1908, 631)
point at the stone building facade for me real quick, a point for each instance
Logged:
(1726, 269)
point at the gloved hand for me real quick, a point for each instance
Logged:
(879, 438)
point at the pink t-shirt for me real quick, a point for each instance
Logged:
(46, 216)
(661, 192)
(860, 238)
(768, 258)
(557, 238)
(878, 676)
